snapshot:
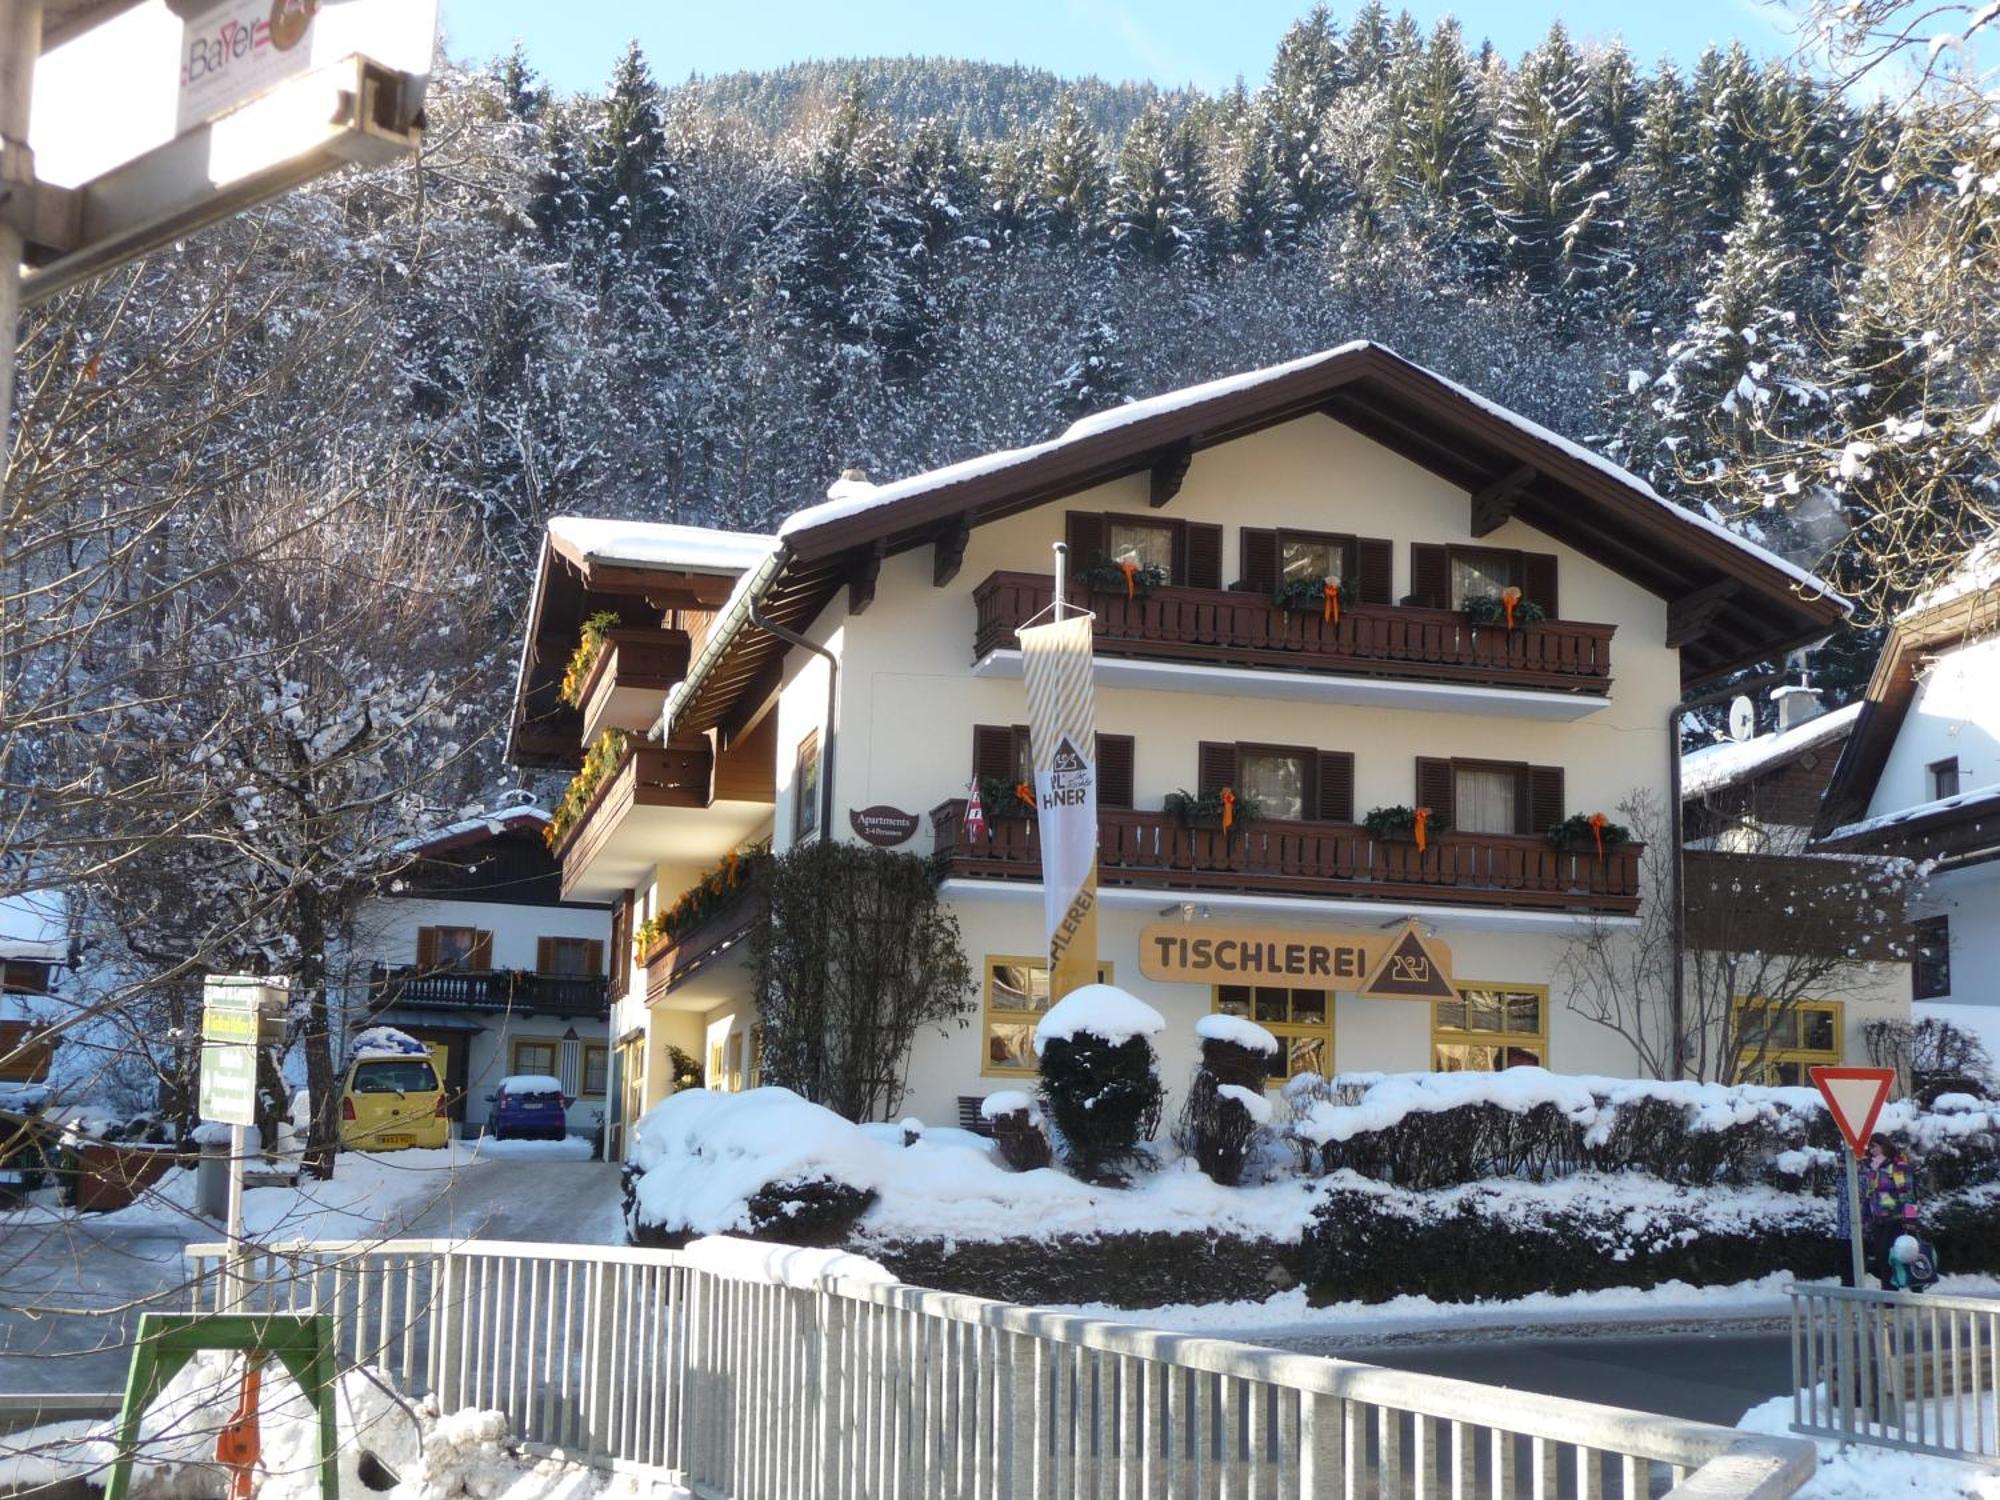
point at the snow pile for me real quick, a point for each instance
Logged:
(530, 1083)
(384, 1041)
(1859, 1472)
(1238, 1030)
(781, 1265)
(1254, 1103)
(1007, 1102)
(1104, 1011)
(1389, 1099)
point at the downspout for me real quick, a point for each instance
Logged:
(1677, 856)
(793, 638)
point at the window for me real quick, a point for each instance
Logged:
(757, 1055)
(621, 945)
(1150, 544)
(1017, 992)
(1276, 778)
(395, 1076)
(1308, 556)
(1484, 799)
(534, 1056)
(596, 1069)
(1930, 973)
(463, 949)
(715, 1076)
(1479, 573)
(805, 786)
(20, 976)
(739, 1045)
(1003, 752)
(1944, 778)
(1301, 1020)
(1490, 1027)
(1780, 1044)
(568, 958)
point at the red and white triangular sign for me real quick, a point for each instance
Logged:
(1855, 1097)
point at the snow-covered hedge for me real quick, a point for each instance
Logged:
(1434, 1130)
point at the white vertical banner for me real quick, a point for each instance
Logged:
(1062, 730)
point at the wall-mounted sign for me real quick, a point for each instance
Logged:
(1395, 965)
(881, 825)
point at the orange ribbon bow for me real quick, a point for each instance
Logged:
(1421, 826)
(1597, 822)
(1331, 610)
(1228, 808)
(1509, 597)
(1025, 794)
(1128, 568)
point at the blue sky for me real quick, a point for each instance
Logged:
(1171, 42)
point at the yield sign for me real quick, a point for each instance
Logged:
(1855, 1097)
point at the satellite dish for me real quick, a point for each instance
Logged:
(1742, 719)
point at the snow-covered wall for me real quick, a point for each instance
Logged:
(1955, 713)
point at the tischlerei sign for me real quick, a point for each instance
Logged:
(1394, 965)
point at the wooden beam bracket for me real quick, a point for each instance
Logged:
(948, 552)
(1494, 506)
(1691, 614)
(1169, 470)
(861, 580)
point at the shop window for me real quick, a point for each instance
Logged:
(1782, 1043)
(596, 1069)
(534, 1056)
(1301, 1020)
(1017, 992)
(1490, 1027)
(1930, 974)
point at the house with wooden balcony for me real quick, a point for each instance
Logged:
(472, 948)
(1343, 589)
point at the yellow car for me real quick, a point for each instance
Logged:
(392, 1101)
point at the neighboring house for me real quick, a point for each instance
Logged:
(34, 948)
(1424, 499)
(1921, 777)
(473, 950)
(1762, 795)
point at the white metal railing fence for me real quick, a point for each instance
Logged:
(1897, 1370)
(746, 1385)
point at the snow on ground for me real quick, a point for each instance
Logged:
(431, 1456)
(569, 1148)
(1288, 1314)
(1859, 1472)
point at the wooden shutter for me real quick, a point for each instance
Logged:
(1375, 570)
(1259, 563)
(621, 946)
(1430, 575)
(427, 948)
(482, 953)
(593, 956)
(545, 955)
(1215, 767)
(1203, 544)
(1538, 580)
(1434, 786)
(1544, 801)
(1336, 786)
(993, 751)
(1114, 770)
(1085, 533)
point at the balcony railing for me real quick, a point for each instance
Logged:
(1234, 628)
(650, 776)
(630, 677)
(492, 990)
(672, 960)
(1281, 857)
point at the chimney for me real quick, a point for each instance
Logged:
(852, 483)
(1797, 704)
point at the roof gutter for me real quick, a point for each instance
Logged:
(736, 614)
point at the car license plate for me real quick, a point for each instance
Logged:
(534, 1104)
(397, 1140)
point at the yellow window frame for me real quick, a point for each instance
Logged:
(1285, 1031)
(992, 1015)
(1467, 1036)
(1764, 1069)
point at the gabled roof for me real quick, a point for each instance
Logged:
(1966, 606)
(1731, 601)
(1713, 768)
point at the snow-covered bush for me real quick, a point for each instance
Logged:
(1100, 1080)
(1017, 1129)
(1225, 1108)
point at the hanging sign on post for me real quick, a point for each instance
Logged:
(1854, 1097)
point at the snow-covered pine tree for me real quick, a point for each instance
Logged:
(1662, 184)
(629, 174)
(1305, 76)
(1149, 211)
(1367, 48)
(1074, 184)
(1094, 380)
(1436, 165)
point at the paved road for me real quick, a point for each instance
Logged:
(1701, 1373)
(572, 1202)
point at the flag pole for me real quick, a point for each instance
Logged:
(1062, 577)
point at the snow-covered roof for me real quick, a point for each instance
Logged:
(588, 540)
(1980, 799)
(479, 825)
(1978, 572)
(1713, 767)
(857, 499)
(34, 927)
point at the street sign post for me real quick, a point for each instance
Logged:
(1854, 1097)
(238, 1014)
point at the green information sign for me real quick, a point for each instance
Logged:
(229, 1080)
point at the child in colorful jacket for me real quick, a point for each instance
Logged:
(1888, 1208)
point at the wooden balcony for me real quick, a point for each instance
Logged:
(629, 681)
(580, 995)
(1340, 861)
(652, 776)
(671, 962)
(1233, 628)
